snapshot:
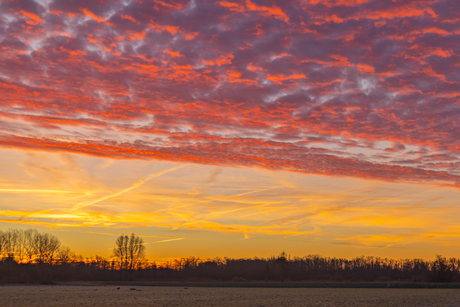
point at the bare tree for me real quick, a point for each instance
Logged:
(130, 252)
(45, 246)
(10, 243)
(65, 255)
(20, 245)
(29, 247)
(2, 243)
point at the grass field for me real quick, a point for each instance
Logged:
(201, 296)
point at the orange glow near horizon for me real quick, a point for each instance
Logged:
(233, 128)
(208, 211)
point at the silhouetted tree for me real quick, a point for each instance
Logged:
(45, 247)
(30, 256)
(281, 266)
(65, 255)
(28, 245)
(130, 252)
(441, 271)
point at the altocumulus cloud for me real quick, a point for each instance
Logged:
(361, 88)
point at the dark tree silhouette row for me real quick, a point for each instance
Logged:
(30, 256)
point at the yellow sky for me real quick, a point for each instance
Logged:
(195, 210)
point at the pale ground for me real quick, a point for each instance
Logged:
(238, 297)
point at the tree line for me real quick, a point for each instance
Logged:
(30, 256)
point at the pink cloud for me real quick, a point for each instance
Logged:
(269, 83)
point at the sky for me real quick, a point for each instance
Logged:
(233, 128)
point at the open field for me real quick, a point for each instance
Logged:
(201, 296)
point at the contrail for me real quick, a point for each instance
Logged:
(255, 191)
(34, 191)
(136, 185)
(210, 200)
(156, 242)
(169, 240)
(141, 236)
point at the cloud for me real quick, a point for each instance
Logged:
(338, 88)
(134, 186)
(242, 202)
(32, 191)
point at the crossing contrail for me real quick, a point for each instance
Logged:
(136, 185)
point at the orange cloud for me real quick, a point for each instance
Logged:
(94, 16)
(268, 11)
(327, 89)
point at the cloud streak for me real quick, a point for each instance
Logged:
(285, 208)
(33, 191)
(134, 186)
